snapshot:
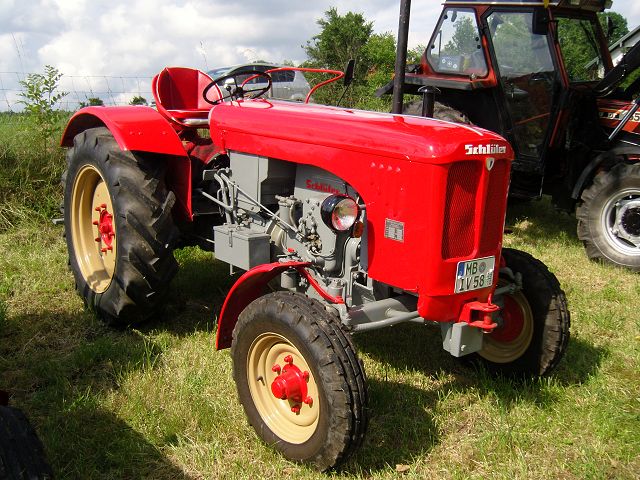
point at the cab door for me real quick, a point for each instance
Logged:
(528, 78)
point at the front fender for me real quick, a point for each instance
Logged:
(141, 129)
(246, 289)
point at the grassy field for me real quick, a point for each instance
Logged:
(158, 402)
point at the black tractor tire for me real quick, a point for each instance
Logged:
(533, 333)
(21, 452)
(125, 193)
(326, 432)
(597, 217)
(440, 112)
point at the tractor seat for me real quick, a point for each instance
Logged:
(178, 95)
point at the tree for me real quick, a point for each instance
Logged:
(40, 95)
(138, 100)
(619, 26)
(92, 102)
(341, 38)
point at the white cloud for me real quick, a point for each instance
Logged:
(98, 38)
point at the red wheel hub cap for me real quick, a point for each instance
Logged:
(291, 383)
(513, 322)
(105, 227)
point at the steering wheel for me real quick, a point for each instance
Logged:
(231, 90)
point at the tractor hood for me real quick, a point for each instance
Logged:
(266, 128)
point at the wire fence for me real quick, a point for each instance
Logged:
(80, 90)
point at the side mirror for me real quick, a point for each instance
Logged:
(540, 23)
(610, 28)
(348, 72)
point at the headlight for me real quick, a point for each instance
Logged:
(339, 212)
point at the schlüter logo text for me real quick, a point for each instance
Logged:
(488, 149)
(321, 187)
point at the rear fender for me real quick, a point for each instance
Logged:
(593, 167)
(141, 129)
(249, 286)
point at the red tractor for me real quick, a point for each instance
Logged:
(344, 221)
(540, 74)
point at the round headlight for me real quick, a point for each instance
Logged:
(339, 212)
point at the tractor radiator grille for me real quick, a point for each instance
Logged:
(495, 205)
(460, 209)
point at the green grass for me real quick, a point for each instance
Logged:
(159, 402)
(30, 169)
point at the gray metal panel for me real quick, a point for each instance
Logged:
(241, 247)
(461, 339)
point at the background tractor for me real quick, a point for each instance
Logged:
(324, 209)
(540, 74)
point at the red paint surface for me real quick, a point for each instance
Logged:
(141, 129)
(399, 165)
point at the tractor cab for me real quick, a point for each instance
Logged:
(519, 68)
(540, 74)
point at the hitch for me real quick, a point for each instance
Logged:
(479, 315)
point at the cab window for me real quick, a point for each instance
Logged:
(456, 47)
(580, 52)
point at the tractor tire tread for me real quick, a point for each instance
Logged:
(21, 451)
(555, 336)
(588, 230)
(146, 234)
(347, 392)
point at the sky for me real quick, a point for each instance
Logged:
(125, 42)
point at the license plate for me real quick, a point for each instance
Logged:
(474, 274)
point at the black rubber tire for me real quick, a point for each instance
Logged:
(594, 199)
(145, 230)
(440, 112)
(550, 315)
(21, 452)
(334, 365)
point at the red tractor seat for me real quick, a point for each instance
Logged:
(178, 95)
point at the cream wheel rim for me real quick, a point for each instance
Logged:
(511, 340)
(292, 420)
(93, 228)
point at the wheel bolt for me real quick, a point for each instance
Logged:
(295, 409)
(97, 209)
(308, 401)
(276, 368)
(97, 239)
(96, 223)
(305, 375)
(289, 359)
(104, 205)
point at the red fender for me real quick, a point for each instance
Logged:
(141, 129)
(246, 289)
(251, 286)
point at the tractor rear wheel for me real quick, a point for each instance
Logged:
(609, 217)
(119, 230)
(533, 329)
(299, 380)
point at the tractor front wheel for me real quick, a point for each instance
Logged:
(609, 217)
(119, 230)
(299, 380)
(533, 328)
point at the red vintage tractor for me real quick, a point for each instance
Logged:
(540, 74)
(344, 221)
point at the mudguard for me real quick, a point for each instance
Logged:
(141, 129)
(247, 288)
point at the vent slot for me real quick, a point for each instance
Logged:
(460, 209)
